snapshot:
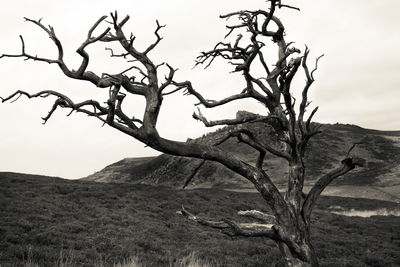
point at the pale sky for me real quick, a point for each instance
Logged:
(358, 80)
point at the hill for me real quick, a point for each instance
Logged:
(381, 149)
(48, 221)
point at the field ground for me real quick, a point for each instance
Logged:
(108, 223)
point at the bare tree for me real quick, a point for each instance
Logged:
(289, 226)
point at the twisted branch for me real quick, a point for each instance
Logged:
(238, 229)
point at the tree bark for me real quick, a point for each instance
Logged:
(293, 260)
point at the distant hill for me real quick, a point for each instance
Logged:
(381, 149)
(17, 177)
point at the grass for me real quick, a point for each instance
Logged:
(191, 260)
(132, 261)
(49, 220)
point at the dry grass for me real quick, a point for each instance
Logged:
(64, 259)
(132, 261)
(67, 260)
(192, 260)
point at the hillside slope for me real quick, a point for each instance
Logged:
(381, 149)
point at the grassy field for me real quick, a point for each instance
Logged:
(46, 221)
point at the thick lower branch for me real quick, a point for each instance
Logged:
(266, 218)
(240, 229)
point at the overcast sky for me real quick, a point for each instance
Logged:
(358, 80)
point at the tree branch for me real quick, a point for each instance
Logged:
(169, 81)
(52, 35)
(310, 80)
(249, 139)
(348, 164)
(239, 229)
(199, 116)
(80, 74)
(266, 218)
(159, 38)
(193, 173)
(28, 56)
(64, 102)
(209, 103)
(81, 50)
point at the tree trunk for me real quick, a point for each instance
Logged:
(291, 259)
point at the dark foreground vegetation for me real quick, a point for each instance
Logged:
(108, 223)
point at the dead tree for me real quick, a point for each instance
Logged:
(289, 226)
